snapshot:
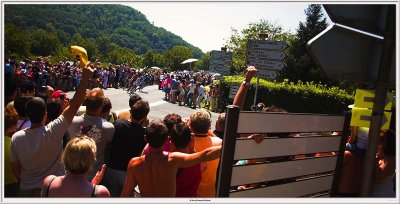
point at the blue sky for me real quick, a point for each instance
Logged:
(207, 25)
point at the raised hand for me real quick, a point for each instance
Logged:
(251, 72)
(99, 175)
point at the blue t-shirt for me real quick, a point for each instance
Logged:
(174, 84)
(9, 69)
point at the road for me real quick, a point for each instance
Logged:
(158, 107)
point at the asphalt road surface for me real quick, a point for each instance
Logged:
(158, 107)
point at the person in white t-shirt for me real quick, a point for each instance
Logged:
(201, 95)
(93, 126)
(189, 98)
(36, 151)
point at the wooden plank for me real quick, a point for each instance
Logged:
(295, 189)
(249, 122)
(272, 171)
(273, 147)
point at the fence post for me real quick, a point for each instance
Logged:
(228, 150)
(339, 162)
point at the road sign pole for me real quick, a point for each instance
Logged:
(379, 104)
(254, 107)
(263, 36)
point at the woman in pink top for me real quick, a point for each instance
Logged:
(78, 157)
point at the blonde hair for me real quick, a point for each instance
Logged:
(79, 155)
(200, 121)
(10, 116)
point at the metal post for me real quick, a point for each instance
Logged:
(379, 103)
(339, 163)
(262, 36)
(228, 151)
(254, 107)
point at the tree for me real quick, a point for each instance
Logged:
(102, 24)
(158, 60)
(148, 58)
(299, 64)
(176, 55)
(104, 43)
(89, 44)
(204, 62)
(237, 43)
(121, 55)
(44, 43)
(15, 41)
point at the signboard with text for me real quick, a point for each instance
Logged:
(221, 62)
(267, 45)
(266, 56)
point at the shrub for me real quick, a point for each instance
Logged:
(297, 97)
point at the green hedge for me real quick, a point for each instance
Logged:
(296, 98)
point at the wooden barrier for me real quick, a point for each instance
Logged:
(281, 166)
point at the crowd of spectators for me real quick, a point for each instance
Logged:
(66, 75)
(54, 150)
(192, 89)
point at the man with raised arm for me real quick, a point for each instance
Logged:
(36, 151)
(241, 94)
(155, 173)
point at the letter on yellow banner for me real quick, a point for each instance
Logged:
(361, 117)
(365, 99)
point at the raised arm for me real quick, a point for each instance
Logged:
(241, 94)
(187, 160)
(79, 95)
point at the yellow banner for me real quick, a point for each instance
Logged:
(365, 99)
(81, 52)
(361, 117)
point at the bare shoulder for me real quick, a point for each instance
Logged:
(103, 191)
(135, 161)
(216, 141)
(47, 179)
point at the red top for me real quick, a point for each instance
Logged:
(187, 181)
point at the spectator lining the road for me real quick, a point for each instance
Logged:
(155, 173)
(19, 105)
(169, 120)
(92, 125)
(36, 151)
(78, 158)
(200, 123)
(126, 115)
(219, 126)
(187, 179)
(27, 88)
(128, 142)
(384, 185)
(10, 124)
(106, 112)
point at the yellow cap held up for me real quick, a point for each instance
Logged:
(81, 52)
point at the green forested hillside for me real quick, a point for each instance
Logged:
(105, 25)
